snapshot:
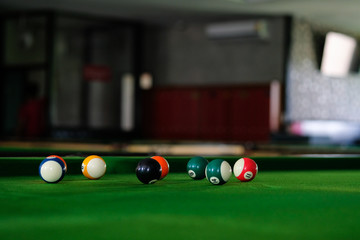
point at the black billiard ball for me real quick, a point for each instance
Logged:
(148, 171)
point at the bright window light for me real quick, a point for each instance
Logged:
(336, 131)
(338, 54)
(146, 81)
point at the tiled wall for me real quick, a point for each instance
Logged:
(311, 95)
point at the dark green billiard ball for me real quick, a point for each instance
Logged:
(196, 167)
(218, 171)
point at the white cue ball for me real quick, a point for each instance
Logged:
(51, 171)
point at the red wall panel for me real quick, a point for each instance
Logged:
(214, 114)
(250, 114)
(222, 114)
(174, 114)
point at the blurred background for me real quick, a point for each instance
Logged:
(233, 71)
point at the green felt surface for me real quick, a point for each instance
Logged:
(276, 205)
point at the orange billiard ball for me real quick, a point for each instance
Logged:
(164, 165)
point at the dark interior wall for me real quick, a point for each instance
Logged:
(178, 54)
(22, 67)
(83, 103)
(182, 54)
(67, 80)
(207, 89)
(111, 48)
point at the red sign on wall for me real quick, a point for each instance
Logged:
(93, 72)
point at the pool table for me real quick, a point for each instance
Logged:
(292, 197)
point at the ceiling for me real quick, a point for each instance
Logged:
(336, 14)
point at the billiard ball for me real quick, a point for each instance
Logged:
(93, 167)
(196, 167)
(148, 171)
(218, 171)
(164, 165)
(56, 156)
(52, 170)
(245, 169)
